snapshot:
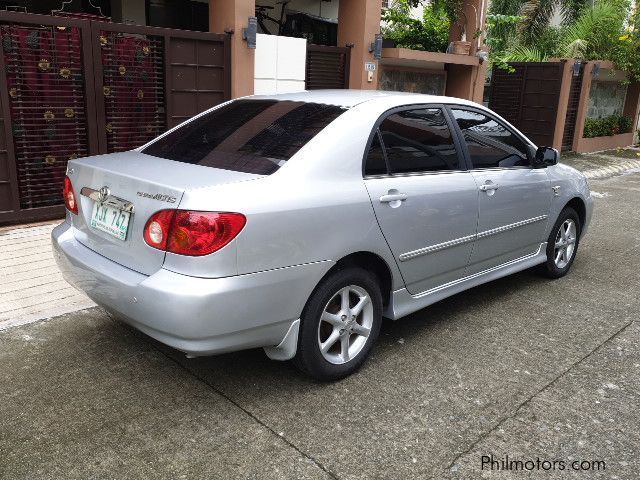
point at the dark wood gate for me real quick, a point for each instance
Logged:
(528, 98)
(327, 67)
(74, 87)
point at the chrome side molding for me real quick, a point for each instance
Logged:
(436, 248)
(469, 238)
(511, 226)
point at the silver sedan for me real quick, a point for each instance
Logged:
(296, 222)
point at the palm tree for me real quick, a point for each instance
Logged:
(538, 13)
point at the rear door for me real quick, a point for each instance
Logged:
(514, 198)
(424, 199)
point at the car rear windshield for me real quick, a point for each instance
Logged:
(251, 136)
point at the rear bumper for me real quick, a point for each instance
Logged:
(199, 316)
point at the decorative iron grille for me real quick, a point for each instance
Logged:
(133, 88)
(46, 96)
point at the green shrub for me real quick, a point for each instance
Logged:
(430, 34)
(603, 127)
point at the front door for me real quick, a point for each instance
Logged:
(514, 198)
(424, 199)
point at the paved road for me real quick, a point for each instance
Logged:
(524, 367)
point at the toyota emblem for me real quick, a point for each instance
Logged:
(104, 193)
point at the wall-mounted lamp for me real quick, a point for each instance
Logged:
(577, 65)
(482, 56)
(596, 70)
(250, 33)
(376, 47)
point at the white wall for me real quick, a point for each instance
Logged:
(280, 64)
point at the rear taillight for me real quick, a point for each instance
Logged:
(69, 196)
(192, 233)
(156, 231)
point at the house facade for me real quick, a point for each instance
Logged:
(86, 77)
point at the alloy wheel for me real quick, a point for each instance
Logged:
(345, 324)
(565, 244)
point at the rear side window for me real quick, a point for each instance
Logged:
(251, 136)
(376, 164)
(419, 141)
(490, 144)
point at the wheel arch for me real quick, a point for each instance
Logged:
(580, 207)
(371, 262)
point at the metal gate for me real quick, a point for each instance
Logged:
(327, 67)
(73, 87)
(528, 98)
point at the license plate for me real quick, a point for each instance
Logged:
(110, 220)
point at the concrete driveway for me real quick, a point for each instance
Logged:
(532, 369)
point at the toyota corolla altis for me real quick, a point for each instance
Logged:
(296, 222)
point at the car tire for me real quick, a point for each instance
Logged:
(562, 244)
(334, 341)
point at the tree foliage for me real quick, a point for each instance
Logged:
(431, 33)
(604, 30)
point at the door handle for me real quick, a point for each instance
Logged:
(393, 197)
(487, 187)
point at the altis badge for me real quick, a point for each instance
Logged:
(158, 196)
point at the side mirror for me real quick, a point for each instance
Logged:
(545, 157)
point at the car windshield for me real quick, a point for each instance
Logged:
(251, 136)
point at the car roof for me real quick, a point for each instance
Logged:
(349, 98)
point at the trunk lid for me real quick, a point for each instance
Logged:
(150, 184)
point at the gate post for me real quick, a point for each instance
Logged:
(231, 16)
(358, 23)
(563, 101)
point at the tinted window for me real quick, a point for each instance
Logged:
(253, 136)
(418, 141)
(490, 144)
(376, 164)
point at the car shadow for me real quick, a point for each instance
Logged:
(252, 367)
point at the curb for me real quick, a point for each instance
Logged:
(611, 170)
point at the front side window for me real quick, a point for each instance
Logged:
(489, 143)
(419, 141)
(251, 136)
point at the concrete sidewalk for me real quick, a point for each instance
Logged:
(32, 289)
(604, 164)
